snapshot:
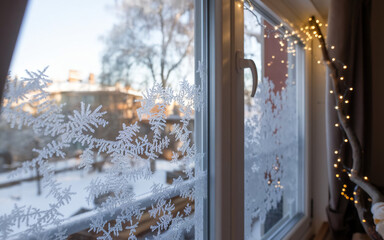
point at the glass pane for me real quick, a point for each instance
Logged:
(107, 141)
(273, 162)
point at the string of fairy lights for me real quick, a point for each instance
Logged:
(306, 34)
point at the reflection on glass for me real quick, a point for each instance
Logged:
(271, 141)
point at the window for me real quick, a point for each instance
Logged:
(265, 196)
(142, 127)
(274, 157)
(110, 144)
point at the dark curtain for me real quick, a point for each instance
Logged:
(349, 32)
(11, 16)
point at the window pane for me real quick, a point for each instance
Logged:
(106, 141)
(273, 162)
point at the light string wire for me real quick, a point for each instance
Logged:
(342, 91)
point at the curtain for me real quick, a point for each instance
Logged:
(349, 33)
(11, 16)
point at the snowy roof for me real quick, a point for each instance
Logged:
(62, 86)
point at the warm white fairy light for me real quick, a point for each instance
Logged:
(341, 97)
(309, 33)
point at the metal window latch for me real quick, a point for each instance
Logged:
(242, 63)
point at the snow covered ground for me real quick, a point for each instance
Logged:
(25, 194)
(57, 165)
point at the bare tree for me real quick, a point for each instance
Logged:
(154, 34)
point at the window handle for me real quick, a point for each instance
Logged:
(242, 63)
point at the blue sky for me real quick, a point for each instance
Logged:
(64, 34)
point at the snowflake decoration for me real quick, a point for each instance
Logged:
(131, 154)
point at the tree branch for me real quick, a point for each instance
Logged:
(366, 216)
(174, 66)
(150, 66)
(357, 151)
(163, 49)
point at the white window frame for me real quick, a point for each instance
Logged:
(226, 144)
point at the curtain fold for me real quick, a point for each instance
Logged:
(11, 16)
(349, 33)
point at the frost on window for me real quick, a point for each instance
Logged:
(116, 205)
(271, 150)
(271, 130)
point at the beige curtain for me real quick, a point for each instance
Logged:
(349, 32)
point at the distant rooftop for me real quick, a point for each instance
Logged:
(65, 86)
